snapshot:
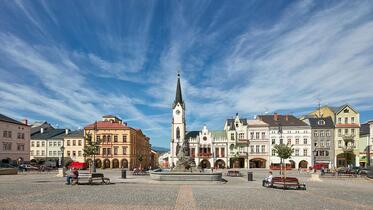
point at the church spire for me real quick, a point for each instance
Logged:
(178, 97)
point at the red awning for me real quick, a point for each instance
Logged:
(77, 165)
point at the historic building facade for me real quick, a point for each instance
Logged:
(365, 144)
(287, 129)
(346, 134)
(322, 137)
(120, 146)
(208, 148)
(46, 145)
(258, 134)
(73, 146)
(14, 140)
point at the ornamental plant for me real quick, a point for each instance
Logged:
(284, 152)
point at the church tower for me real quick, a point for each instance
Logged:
(178, 121)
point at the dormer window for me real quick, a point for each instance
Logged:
(236, 124)
(321, 122)
(346, 111)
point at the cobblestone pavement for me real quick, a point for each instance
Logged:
(46, 191)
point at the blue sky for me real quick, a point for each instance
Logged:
(70, 62)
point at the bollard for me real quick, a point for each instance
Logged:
(249, 176)
(124, 174)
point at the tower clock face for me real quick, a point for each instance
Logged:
(177, 112)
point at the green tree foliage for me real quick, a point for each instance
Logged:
(283, 151)
(91, 147)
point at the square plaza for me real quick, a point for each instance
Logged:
(47, 191)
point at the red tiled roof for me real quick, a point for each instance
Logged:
(106, 124)
(347, 125)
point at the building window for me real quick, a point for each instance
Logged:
(108, 151)
(222, 152)
(321, 133)
(115, 150)
(50, 153)
(5, 134)
(257, 147)
(281, 141)
(74, 153)
(241, 135)
(327, 143)
(346, 120)
(339, 120)
(54, 143)
(124, 138)
(339, 143)
(273, 152)
(326, 153)
(20, 147)
(321, 122)
(79, 153)
(273, 141)
(59, 143)
(296, 152)
(98, 138)
(54, 153)
(37, 144)
(42, 152)
(7, 146)
(9, 134)
(252, 148)
(37, 152)
(316, 133)
(232, 136)
(305, 152)
(322, 153)
(43, 144)
(263, 135)
(304, 141)
(68, 143)
(263, 148)
(346, 131)
(108, 138)
(216, 152)
(251, 135)
(352, 120)
(74, 142)
(79, 142)
(322, 143)
(32, 152)
(115, 138)
(352, 131)
(68, 153)
(32, 144)
(104, 138)
(339, 132)
(297, 141)
(289, 141)
(177, 133)
(327, 133)
(257, 135)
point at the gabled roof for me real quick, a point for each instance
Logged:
(75, 134)
(337, 110)
(314, 122)
(191, 134)
(9, 120)
(256, 123)
(281, 120)
(364, 129)
(48, 134)
(106, 124)
(35, 127)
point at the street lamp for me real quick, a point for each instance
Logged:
(314, 159)
(62, 157)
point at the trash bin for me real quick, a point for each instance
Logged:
(124, 174)
(249, 176)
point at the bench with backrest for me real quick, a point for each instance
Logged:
(91, 177)
(286, 183)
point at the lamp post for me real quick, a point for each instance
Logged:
(62, 156)
(314, 159)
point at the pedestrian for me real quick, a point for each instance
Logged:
(69, 177)
(268, 179)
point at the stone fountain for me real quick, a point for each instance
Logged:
(185, 169)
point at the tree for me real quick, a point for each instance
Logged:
(284, 152)
(90, 149)
(140, 158)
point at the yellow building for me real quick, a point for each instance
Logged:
(74, 144)
(346, 137)
(120, 145)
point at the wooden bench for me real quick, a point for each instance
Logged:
(286, 183)
(233, 173)
(91, 177)
(140, 173)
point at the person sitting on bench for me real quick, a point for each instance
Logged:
(268, 179)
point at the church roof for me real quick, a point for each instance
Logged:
(191, 134)
(219, 134)
(178, 97)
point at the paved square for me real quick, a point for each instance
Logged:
(46, 191)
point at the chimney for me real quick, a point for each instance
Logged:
(275, 116)
(24, 121)
(41, 130)
(66, 131)
(287, 117)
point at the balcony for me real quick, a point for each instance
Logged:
(242, 154)
(242, 141)
(348, 137)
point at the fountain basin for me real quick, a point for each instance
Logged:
(185, 176)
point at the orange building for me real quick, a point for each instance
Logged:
(120, 145)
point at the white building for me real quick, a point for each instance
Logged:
(209, 148)
(258, 133)
(287, 129)
(46, 144)
(74, 144)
